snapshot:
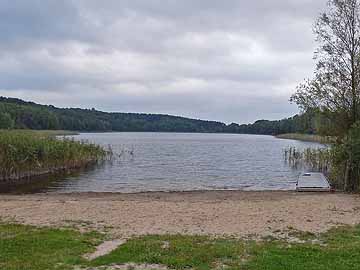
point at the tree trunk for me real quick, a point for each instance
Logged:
(357, 183)
(347, 176)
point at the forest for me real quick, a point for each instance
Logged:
(19, 114)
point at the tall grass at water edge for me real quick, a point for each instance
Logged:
(311, 159)
(25, 153)
(307, 138)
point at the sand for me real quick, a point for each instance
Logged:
(105, 248)
(217, 213)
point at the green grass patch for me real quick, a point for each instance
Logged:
(341, 250)
(24, 247)
(30, 248)
(179, 252)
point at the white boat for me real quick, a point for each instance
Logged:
(313, 182)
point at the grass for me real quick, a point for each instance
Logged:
(24, 247)
(28, 153)
(342, 252)
(30, 248)
(306, 137)
(184, 252)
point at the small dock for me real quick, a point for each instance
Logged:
(313, 182)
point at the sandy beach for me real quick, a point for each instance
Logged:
(218, 213)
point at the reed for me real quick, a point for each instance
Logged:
(25, 154)
(307, 138)
(311, 159)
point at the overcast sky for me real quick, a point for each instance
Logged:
(227, 60)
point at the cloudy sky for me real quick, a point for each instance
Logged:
(233, 60)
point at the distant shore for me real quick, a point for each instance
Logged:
(232, 213)
(306, 138)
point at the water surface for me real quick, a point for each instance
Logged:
(182, 162)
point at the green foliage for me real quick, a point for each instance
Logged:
(28, 115)
(304, 123)
(346, 160)
(26, 153)
(340, 161)
(352, 142)
(6, 122)
(334, 90)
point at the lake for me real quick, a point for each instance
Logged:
(182, 162)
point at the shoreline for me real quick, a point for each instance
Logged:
(203, 194)
(215, 213)
(325, 140)
(159, 192)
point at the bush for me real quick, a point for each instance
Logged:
(346, 162)
(340, 162)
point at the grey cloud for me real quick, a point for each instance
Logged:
(225, 60)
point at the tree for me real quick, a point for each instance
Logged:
(335, 89)
(6, 122)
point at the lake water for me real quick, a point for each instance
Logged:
(182, 162)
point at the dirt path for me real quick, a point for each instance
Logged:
(216, 213)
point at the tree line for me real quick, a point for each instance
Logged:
(19, 114)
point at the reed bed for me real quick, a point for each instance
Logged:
(316, 160)
(25, 154)
(307, 138)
